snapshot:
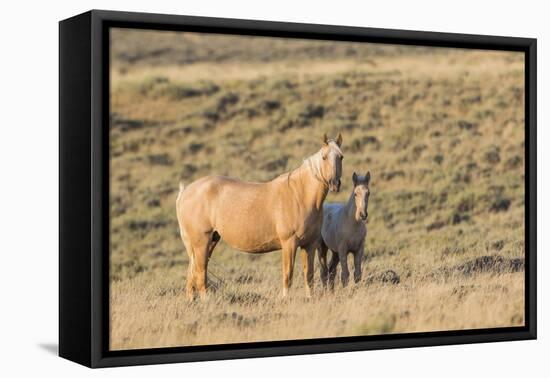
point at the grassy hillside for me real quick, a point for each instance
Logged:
(441, 131)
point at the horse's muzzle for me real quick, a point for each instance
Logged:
(334, 186)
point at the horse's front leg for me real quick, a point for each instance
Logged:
(289, 255)
(308, 258)
(357, 260)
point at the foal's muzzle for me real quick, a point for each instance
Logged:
(364, 216)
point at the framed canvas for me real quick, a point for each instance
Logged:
(199, 156)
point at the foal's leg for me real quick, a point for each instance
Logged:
(357, 259)
(289, 254)
(342, 254)
(308, 258)
(322, 255)
(332, 269)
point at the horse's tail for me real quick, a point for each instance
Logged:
(182, 188)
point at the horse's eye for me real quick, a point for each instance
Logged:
(341, 158)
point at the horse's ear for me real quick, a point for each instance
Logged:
(367, 177)
(354, 178)
(339, 140)
(325, 139)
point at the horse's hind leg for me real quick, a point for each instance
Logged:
(322, 255)
(189, 286)
(202, 250)
(213, 242)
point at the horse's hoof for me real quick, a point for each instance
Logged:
(204, 297)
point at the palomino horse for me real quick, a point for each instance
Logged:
(345, 230)
(285, 213)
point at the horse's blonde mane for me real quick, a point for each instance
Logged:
(313, 162)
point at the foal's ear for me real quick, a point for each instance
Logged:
(325, 139)
(339, 140)
(367, 178)
(354, 178)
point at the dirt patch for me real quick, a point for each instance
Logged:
(119, 123)
(312, 111)
(465, 125)
(493, 155)
(145, 224)
(276, 165)
(160, 159)
(244, 298)
(489, 264)
(359, 144)
(386, 277)
(388, 176)
(501, 204)
(247, 279)
(436, 225)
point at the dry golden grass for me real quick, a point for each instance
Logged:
(154, 312)
(441, 130)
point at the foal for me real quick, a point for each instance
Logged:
(344, 230)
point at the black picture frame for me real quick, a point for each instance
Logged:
(83, 183)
